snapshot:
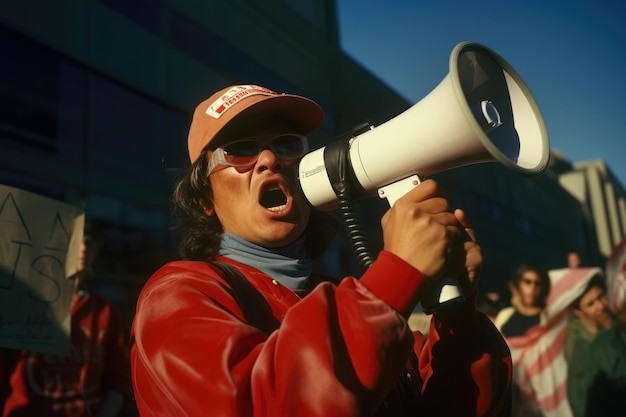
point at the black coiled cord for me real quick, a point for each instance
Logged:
(355, 232)
(336, 157)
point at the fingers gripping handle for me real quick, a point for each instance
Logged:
(445, 291)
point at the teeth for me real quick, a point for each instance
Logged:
(273, 198)
(278, 208)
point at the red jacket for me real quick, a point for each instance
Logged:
(343, 350)
(41, 384)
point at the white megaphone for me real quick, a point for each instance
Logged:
(482, 111)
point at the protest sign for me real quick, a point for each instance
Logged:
(40, 240)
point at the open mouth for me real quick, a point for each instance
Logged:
(274, 199)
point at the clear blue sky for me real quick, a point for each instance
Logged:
(570, 53)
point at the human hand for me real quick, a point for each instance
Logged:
(421, 229)
(466, 258)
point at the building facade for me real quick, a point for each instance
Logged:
(603, 199)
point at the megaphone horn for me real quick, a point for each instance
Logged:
(482, 111)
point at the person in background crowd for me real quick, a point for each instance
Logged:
(591, 315)
(489, 303)
(573, 260)
(529, 287)
(606, 394)
(94, 380)
(243, 326)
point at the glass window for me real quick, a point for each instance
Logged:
(236, 65)
(28, 93)
(312, 11)
(148, 13)
(71, 114)
(41, 100)
(176, 157)
(126, 133)
(123, 212)
(34, 185)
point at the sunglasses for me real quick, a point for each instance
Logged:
(531, 282)
(245, 152)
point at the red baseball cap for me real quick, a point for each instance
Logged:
(227, 106)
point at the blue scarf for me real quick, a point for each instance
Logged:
(290, 265)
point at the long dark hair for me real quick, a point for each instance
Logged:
(201, 233)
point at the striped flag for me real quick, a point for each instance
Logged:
(539, 366)
(616, 276)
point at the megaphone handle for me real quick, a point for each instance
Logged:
(392, 192)
(447, 291)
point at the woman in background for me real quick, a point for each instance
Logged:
(530, 287)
